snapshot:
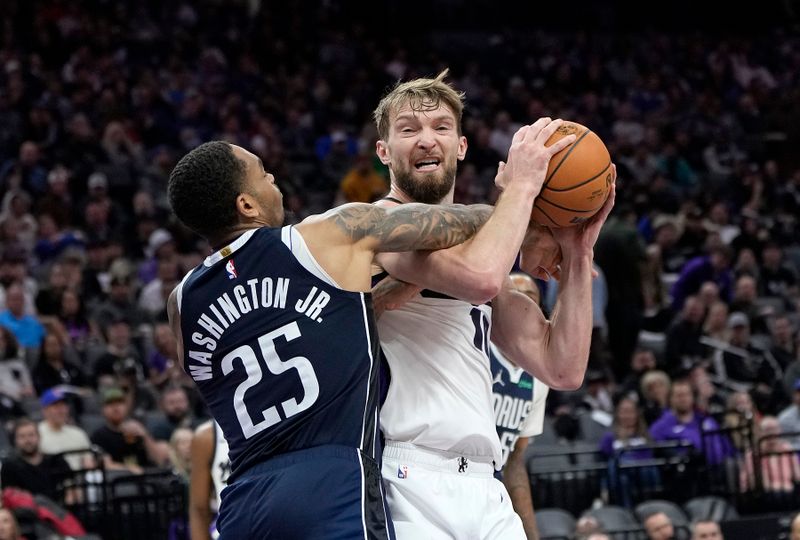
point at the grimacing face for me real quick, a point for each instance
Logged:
(422, 152)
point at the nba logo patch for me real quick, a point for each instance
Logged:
(232, 274)
(402, 472)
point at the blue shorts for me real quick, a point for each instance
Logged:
(328, 492)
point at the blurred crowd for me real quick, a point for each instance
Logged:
(98, 100)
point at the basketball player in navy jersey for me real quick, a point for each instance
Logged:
(276, 329)
(519, 402)
(441, 444)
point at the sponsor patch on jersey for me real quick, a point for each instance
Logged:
(523, 383)
(402, 471)
(232, 273)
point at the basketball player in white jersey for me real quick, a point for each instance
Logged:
(441, 444)
(210, 470)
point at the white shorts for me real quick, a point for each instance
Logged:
(438, 495)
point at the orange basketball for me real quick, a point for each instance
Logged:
(578, 179)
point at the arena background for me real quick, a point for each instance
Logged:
(698, 102)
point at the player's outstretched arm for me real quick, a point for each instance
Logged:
(410, 226)
(555, 351)
(475, 270)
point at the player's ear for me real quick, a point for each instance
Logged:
(462, 148)
(382, 151)
(246, 205)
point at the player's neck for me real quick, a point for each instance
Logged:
(224, 239)
(400, 195)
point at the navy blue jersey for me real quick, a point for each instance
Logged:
(284, 359)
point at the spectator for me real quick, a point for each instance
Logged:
(643, 361)
(587, 526)
(362, 183)
(716, 323)
(126, 443)
(627, 433)
(55, 367)
(783, 347)
(57, 435)
(713, 267)
(153, 298)
(180, 452)
(655, 388)
(119, 351)
(743, 362)
(15, 378)
(683, 348)
(9, 528)
(706, 530)
(745, 296)
(777, 278)
(177, 413)
(27, 329)
(119, 304)
(72, 316)
(29, 468)
(658, 526)
(682, 423)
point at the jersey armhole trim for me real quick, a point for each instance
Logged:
(293, 240)
(179, 290)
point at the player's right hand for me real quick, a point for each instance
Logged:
(528, 156)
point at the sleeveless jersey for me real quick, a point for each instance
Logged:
(284, 359)
(519, 402)
(440, 394)
(220, 463)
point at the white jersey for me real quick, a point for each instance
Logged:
(220, 464)
(440, 395)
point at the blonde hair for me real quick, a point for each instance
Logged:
(421, 95)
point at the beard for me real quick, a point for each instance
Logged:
(430, 188)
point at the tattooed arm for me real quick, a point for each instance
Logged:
(344, 240)
(410, 226)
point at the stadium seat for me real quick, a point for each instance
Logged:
(591, 430)
(674, 512)
(710, 507)
(614, 518)
(555, 523)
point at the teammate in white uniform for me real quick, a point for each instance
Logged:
(441, 445)
(210, 470)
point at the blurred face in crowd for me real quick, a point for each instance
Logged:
(643, 360)
(175, 404)
(782, 331)
(706, 530)
(164, 340)
(26, 440)
(181, 441)
(771, 256)
(422, 151)
(56, 414)
(52, 348)
(70, 303)
(741, 402)
(627, 414)
(15, 300)
(745, 289)
(709, 293)
(681, 398)
(693, 310)
(8, 525)
(119, 334)
(115, 412)
(717, 318)
(659, 527)
(740, 335)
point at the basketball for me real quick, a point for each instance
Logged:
(578, 179)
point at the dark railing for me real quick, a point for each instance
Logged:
(119, 505)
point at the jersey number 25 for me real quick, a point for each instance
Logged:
(275, 366)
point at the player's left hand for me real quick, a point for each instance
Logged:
(391, 293)
(583, 237)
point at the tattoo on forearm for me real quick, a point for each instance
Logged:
(412, 226)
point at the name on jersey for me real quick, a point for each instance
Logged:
(509, 411)
(241, 300)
